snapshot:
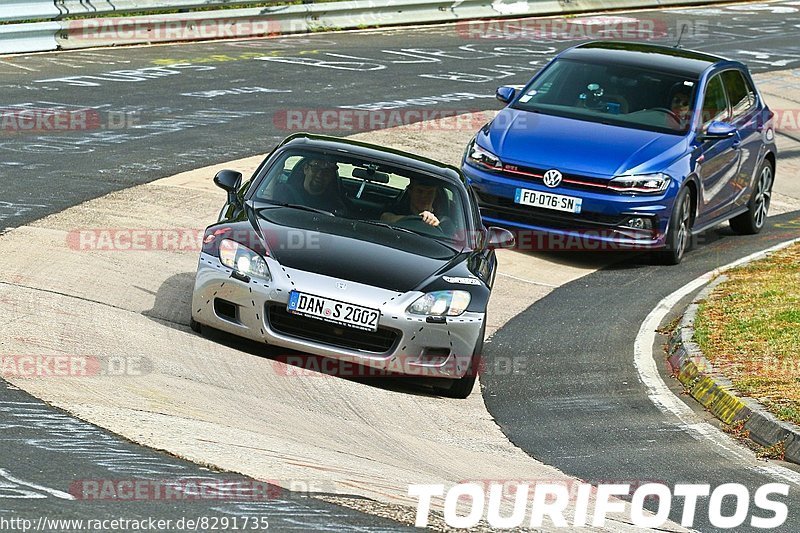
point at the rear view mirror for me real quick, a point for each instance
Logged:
(501, 238)
(370, 174)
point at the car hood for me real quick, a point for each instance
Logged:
(351, 250)
(577, 146)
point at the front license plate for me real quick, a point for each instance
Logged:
(354, 316)
(546, 200)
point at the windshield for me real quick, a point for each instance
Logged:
(375, 193)
(612, 94)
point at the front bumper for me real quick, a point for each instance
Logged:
(404, 343)
(600, 225)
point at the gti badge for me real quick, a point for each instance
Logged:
(552, 178)
(341, 285)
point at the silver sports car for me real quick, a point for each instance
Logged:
(353, 252)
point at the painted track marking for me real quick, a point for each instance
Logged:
(53, 492)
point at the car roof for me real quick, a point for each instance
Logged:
(642, 55)
(373, 151)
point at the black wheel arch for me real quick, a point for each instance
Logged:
(692, 182)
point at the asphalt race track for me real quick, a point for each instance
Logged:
(44, 448)
(165, 109)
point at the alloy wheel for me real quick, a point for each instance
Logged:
(682, 238)
(762, 196)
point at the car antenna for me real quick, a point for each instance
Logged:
(684, 27)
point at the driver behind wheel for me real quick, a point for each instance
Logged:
(680, 105)
(418, 199)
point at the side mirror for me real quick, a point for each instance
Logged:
(505, 93)
(228, 180)
(501, 238)
(718, 130)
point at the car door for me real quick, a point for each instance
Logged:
(719, 160)
(745, 116)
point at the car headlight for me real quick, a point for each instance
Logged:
(477, 156)
(243, 260)
(441, 303)
(644, 183)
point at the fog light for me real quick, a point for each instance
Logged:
(639, 223)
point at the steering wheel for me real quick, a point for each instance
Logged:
(415, 223)
(669, 112)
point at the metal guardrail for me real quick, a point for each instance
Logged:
(32, 37)
(86, 32)
(276, 20)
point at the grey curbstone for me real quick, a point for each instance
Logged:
(716, 392)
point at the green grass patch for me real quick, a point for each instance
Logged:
(749, 328)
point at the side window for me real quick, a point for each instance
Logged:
(740, 93)
(270, 185)
(715, 104)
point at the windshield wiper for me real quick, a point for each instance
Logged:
(303, 207)
(385, 225)
(442, 240)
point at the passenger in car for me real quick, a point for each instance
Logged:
(313, 184)
(421, 199)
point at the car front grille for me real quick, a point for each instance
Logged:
(503, 208)
(314, 330)
(570, 181)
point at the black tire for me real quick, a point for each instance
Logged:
(679, 233)
(461, 388)
(195, 325)
(753, 220)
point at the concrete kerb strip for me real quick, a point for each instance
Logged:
(716, 392)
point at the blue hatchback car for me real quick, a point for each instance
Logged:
(628, 146)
